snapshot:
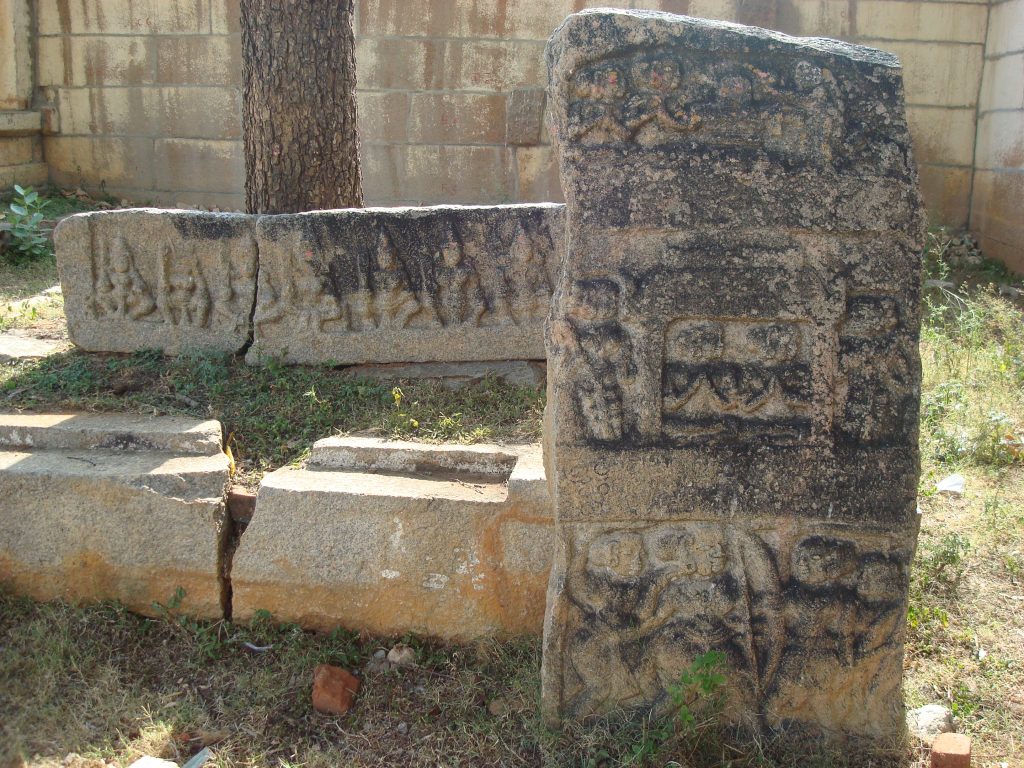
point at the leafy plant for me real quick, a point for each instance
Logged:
(696, 694)
(22, 237)
(941, 565)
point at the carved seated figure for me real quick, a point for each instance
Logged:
(394, 303)
(120, 290)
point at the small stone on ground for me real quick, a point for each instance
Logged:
(153, 762)
(402, 656)
(929, 721)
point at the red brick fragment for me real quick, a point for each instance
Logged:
(241, 504)
(334, 689)
(951, 750)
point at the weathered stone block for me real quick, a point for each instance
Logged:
(447, 541)
(405, 285)
(149, 279)
(122, 508)
(733, 374)
(525, 117)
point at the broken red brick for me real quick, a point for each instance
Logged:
(951, 750)
(241, 504)
(334, 689)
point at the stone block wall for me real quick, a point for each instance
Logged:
(997, 211)
(451, 96)
(21, 149)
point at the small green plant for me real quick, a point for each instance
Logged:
(942, 564)
(22, 237)
(698, 693)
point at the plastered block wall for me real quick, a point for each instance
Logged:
(997, 212)
(450, 92)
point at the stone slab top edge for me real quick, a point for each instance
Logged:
(376, 454)
(124, 432)
(407, 210)
(728, 33)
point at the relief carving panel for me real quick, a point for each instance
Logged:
(733, 378)
(406, 285)
(146, 279)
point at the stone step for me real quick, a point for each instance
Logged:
(114, 507)
(79, 431)
(391, 538)
(375, 455)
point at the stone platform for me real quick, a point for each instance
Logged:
(389, 537)
(113, 507)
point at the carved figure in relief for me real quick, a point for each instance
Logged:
(599, 357)
(300, 293)
(670, 95)
(120, 291)
(657, 597)
(229, 307)
(460, 297)
(880, 399)
(840, 604)
(533, 297)
(183, 296)
(395, 304)
(751, 371)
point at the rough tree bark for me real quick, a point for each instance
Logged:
(299, 110)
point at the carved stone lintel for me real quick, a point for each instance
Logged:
(149, 279)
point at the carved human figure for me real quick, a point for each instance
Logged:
(120, 291)
(658, 597)
(226, 298)
(307, 292)
(183, 296)
(533, 297)
(599, 357)
(394, 303)
(460, 296)
(820, 603)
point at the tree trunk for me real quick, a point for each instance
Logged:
(301, 145)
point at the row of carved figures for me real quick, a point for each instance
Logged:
(386, 298)
(183, 295)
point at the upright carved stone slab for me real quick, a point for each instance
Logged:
(157, 279)
(406, 284)
(733, 372)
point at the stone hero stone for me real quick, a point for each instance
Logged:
(406, 285)
(733, 375)
(158, 279)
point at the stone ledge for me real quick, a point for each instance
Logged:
(179, 434)
(456, 557)
(124, 508)
(20, 123)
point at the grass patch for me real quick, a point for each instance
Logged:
(273, 414)
(965, 644)
(110, 685)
